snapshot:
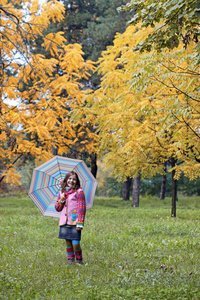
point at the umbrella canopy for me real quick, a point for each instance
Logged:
(47, 178)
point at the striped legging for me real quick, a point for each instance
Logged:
(73, 249)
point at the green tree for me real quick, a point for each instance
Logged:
(93, 24)
(174, 21)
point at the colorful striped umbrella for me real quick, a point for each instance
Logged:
(47, 178)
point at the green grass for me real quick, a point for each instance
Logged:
(129, 253)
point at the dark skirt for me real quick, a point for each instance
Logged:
(69, 232)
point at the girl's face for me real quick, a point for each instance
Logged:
(71, 182)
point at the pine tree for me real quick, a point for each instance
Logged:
(93, 24)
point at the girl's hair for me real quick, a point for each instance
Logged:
(64, 183)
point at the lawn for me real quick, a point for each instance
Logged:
(129, 253)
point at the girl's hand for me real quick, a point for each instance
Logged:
(63, 196)
(79, 228)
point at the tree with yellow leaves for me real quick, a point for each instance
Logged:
(148, 109)
(44, 91)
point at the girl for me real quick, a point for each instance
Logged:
(71, 203)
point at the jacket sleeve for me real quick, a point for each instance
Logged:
(81, 209)
(58, 205)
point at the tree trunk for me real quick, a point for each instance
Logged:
(163, 184)
(93, 158)
(54, 151)
(126, 188)
(173, 213)
(136, 191)
(176, 184)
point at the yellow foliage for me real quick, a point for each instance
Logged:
(41, 117)
(12, 177)
(147, 108)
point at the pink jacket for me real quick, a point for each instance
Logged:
(73, 210)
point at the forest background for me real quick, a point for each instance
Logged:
(84, 83)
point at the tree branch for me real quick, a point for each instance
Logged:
(9, 14)
(188, 72)
(186, 124)
(183, 92)
(176, 88)
(2, 177)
